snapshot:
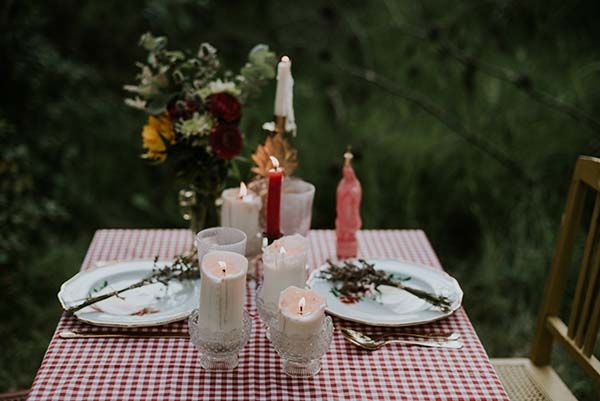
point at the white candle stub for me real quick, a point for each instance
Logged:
(284, 265)
(301, 312)
(222, 290)
(241, 210)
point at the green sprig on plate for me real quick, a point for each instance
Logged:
(355, 280)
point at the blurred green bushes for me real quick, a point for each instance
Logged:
(69, 156)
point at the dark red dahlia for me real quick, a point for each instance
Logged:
(226, 141)
(182, 109)
(225, 107)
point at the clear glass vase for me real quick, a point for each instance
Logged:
(199, 209)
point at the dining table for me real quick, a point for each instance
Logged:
(168, 368)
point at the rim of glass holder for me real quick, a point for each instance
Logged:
(238, 235)
(301, 357)
(237, 242)
(219, 350)
(308, 188)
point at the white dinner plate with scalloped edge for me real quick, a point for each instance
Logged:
(150, 305)
(394, 307)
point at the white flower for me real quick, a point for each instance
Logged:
(136, 103)
(198, 125)
(219, 86)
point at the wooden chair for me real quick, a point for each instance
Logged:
(534, 378)
(14, 396)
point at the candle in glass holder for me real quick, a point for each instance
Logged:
(284, 265)
(222, 290)
(301, 312)
(241, 210)
(274, 200)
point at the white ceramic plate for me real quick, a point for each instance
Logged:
(394, 307)
(150, 305)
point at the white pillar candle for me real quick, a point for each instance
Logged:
(241, 209)
(301, 312)
(222, 290)
(284, 91)
(284, 265)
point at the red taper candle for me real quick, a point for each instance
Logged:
(274, 200)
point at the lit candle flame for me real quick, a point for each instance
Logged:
(275, 162)
(243, 190)
(285, 59)
(301, 305)
(223, 266)
(282, 251)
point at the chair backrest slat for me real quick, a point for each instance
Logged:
(586, 307)
(580, 291)
(579, 337)
(592, 331)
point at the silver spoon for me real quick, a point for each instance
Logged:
(71, 334)
(440, 336)
(365, 342)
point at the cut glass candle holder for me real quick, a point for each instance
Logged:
(266, 310)
(301, 357)
(219, 350)
(220, 239)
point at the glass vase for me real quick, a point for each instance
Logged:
(198, 209)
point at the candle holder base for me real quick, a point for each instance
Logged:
(219, 364)
(295, 369)
(300, 355)
(219, 349)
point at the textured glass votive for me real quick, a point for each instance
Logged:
(267, 311)
(220, 239)
(296, 206)
(301, 356)
(218, 350)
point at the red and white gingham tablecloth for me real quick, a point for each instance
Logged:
(168, 369)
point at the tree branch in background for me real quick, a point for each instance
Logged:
(442, 115)
(519, 80)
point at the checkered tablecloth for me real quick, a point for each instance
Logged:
(168, 369)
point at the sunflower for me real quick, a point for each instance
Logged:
(157, 133)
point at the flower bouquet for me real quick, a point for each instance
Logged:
(194, 109)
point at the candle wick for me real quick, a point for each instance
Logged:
(223, 266)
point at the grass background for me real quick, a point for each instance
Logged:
(69, 156)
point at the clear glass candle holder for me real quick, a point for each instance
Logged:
(219, 350)
(301, 357)
(266, 310)
(220, 239)
(297, 198)
(296, 206)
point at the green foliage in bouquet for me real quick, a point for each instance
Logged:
(194, 108)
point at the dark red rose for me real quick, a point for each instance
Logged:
(226, 141)
(225, 107)
(182, 109)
